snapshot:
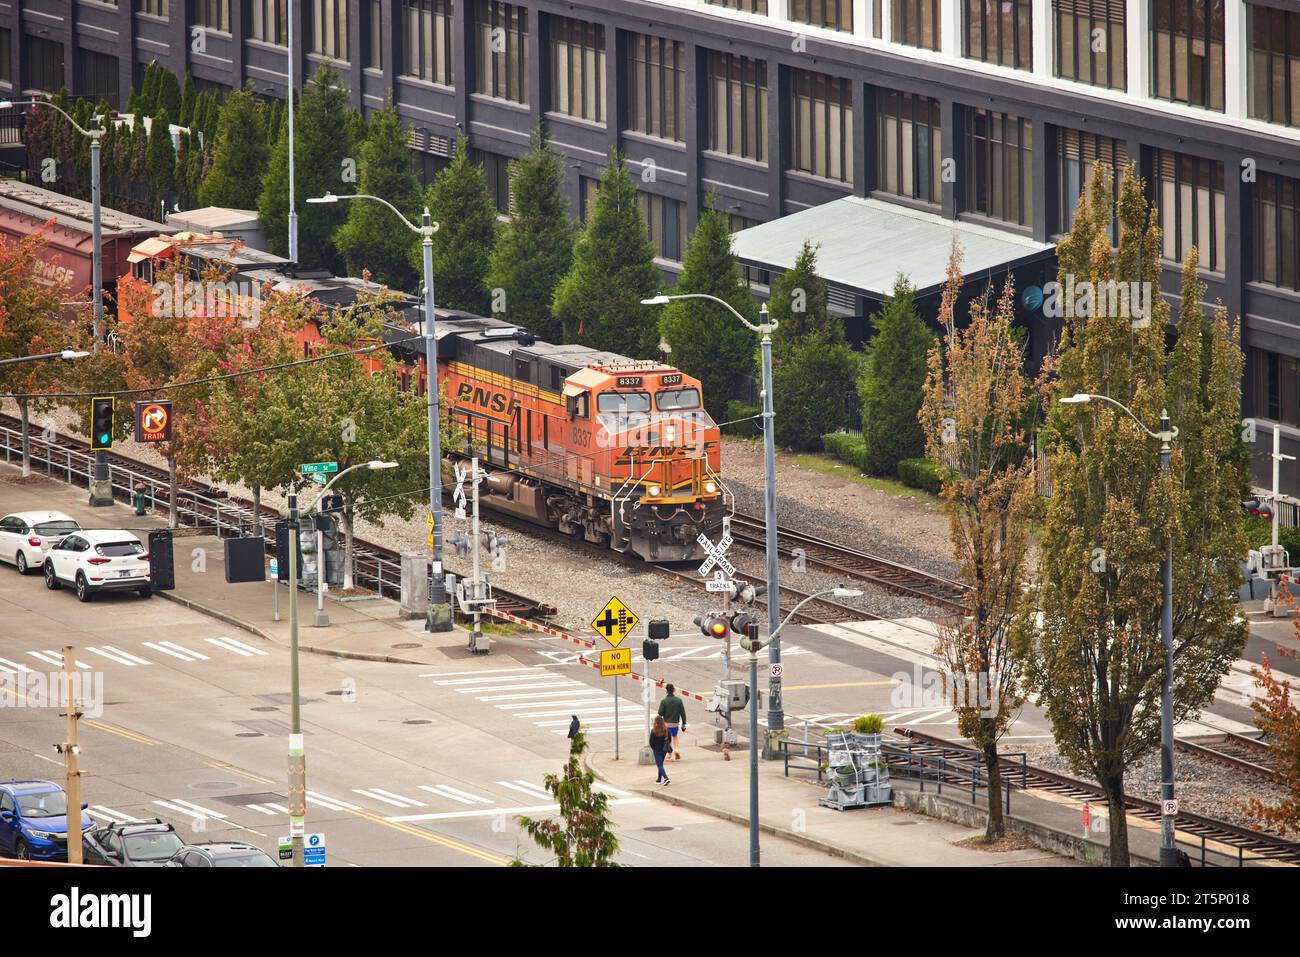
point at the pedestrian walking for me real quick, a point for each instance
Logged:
(661, 746)
(673, 710)
(574, 725)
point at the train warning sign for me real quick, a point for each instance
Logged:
(615, 662)
(153, 421)
(614, 622)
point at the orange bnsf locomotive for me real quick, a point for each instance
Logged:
(618, 451)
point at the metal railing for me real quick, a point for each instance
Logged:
(963, 769)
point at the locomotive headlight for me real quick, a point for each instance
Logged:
(653, 491)
(710, 488)
(670, 434)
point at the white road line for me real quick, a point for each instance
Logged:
(190, 809)
(333, 804)
(230, 644)
(541, 675)
(455, 794)
(573, 706)
(278, 807)
(610, 789)
(562, 683)
(926, 717)
(580, 712)
(108, 814)
(197, 654)
(896, 715)
(399, 797)
(588, 692)
(55, 658)
(482, 671)
(126, 654)
(492, 812)
(105, 653)
(525, 787)
(261, 809)
(586, 722)
(18, 669)
(167, 651)
(395, 800)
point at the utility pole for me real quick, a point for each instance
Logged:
(72, 783)
(293, 209)
(101, 489)
(439, 611)
(775, 706)
(297, 754)
(1168, 850)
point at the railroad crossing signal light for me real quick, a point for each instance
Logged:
(713, 626)
(1258, 508)
(102, 410)
(746, 625)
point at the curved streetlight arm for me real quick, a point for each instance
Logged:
(93, 134)
(1167, 433)
(763, 328)
(432, 227)
(790, 616)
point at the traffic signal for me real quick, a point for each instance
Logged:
(713, 626)
(102, 409)
(1259, 509)
(746, 625)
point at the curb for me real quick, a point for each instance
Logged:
(831, 850)
(253, 629)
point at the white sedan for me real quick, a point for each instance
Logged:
(95, 561)
(25, 537)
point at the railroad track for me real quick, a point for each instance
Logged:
(204, 505)
(820, 611)
(852, 563)
(1236, 751)
(1243, 839)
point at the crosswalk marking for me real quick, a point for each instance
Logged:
(455, 794)
(572, 707)
(504, 811)
(329, 803)
(14, 668)
(118, 655)
(55, 658)
(535, 676)
(262, 809)
(567, 711)
(583, 690)
(176, 651)
(190, 809)
(484, 671)
(563, 683)
(238, 647)
(388, 797)
(109, 815)
(526, 787)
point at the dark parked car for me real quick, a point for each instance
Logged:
(222, 854)
(132, 844)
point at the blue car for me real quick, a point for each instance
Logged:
(33, 821)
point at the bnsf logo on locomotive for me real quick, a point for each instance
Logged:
(641, 453)
(486, 398)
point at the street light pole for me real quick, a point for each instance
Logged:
(293, 209)
(1168, 848)
(322, 620)
(439, 615)
(297, 753)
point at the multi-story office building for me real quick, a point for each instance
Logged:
(975, 112)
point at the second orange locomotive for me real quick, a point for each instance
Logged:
(614, 450)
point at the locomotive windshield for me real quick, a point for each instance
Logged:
(673, 399)
(623, 403)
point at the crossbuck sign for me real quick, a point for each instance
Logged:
(717, 554)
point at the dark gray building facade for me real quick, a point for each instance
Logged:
(964, 109)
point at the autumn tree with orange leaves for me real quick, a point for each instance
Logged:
(1279, 719)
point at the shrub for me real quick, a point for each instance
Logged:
(748, 426)
(868, 724)
(920, 473)
(847, 448)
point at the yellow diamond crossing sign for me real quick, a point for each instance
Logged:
(615, 621)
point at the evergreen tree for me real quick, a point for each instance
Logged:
(1094, 626)
(535, 248)
(460, 203)
(321, 141)
(814, 371)
(892, 381)
(169, 92)
(161, 161)
(188, 95)
(707, 341)
(598, 303)
(238, 156)
(184, 199)
(147, 102)
(371, 238)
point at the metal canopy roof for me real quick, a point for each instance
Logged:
(866, 243)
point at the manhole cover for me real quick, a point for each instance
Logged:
(658, 827)
(264, 708)
(407, 644)
(214, 785)
(249, 734)
(417, 721)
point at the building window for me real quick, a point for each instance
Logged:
(1000, 31)
(6, 56)
(96, 77)
(372, 28)
(737, 105)
(213, 14)
(656, 87)
(822, 117)
(1277, 386)
(42, 64)
(588, 187)
(1277, 231)
(496, 172)
(1187, 52)
(1076, 155)
(578, 68)
(749, 6)
(430, 52)
(329, 28)
(1190, 192)
(157, 8)
(910, 145)
(999, 168)
(1090, 42)
(916, 23)
(1274, 65)
(501, 68)
(667, 221)
(271, 21)
(428, 165)
(832, 14)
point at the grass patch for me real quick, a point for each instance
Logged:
(827, 465)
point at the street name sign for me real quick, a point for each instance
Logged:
(312, 468)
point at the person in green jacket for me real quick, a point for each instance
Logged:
(673, 710)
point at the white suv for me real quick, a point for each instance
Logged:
(94, 561)
(25, 537)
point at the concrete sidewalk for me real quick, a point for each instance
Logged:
(883, 836)
(370, 629)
